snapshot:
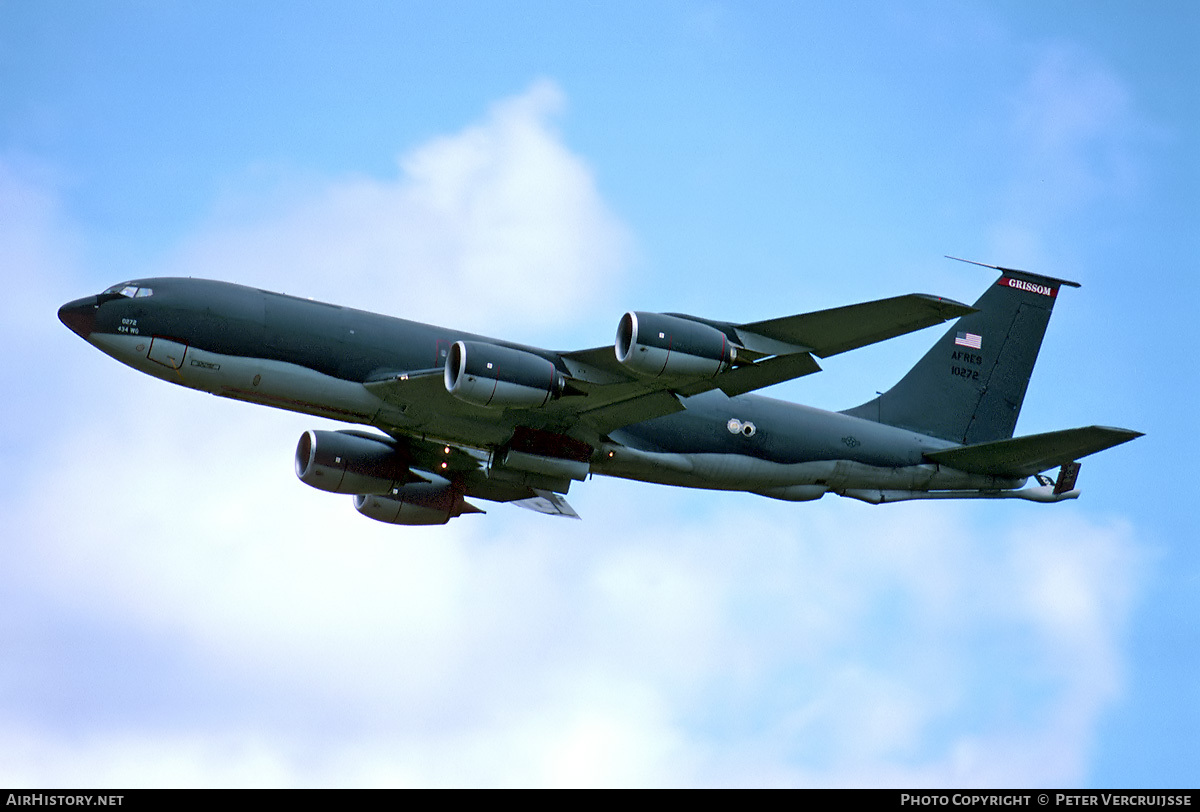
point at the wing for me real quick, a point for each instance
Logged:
(602, 394)
(529, 454)
(471, 468)
(829, 332)
(768, 352)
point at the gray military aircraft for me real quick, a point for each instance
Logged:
(467, 416)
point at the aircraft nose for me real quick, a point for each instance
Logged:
(80, 315)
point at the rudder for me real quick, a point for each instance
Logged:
(970, 386)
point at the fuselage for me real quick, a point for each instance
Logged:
(320, 359)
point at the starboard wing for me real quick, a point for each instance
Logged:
(770, 352)
(829, 332)
(604, 395)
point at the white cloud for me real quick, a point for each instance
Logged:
(1073, 117)
(754, 643)
(181, 611)
(497, 226)
(1077, 141)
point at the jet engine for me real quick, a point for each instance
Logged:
(418, 503)
(350, 462)
(489, 375)
(656, 344)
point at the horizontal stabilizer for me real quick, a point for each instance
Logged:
(829, 332)
(1026, 456)
(1027, 275)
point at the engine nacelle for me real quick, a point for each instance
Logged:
(656, 344)
(418, 503)
(349, 462)
(489, 375)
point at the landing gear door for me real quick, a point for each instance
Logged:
(166, 352)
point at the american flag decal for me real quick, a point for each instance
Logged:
(971, 340)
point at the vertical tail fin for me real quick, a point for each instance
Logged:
(969, 387)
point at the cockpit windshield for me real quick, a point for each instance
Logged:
(129, 289)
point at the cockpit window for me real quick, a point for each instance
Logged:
(126, 289)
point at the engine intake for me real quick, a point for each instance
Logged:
(350, 462)
(489, 375)
(656, 344)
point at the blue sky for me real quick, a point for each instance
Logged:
(179, 610)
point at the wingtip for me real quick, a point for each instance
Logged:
(949, 308)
